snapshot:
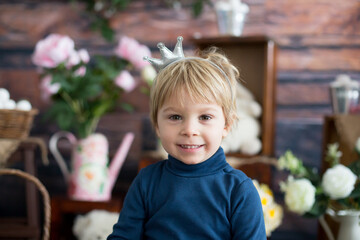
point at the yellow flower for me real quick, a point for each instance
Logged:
(273, 213)
(273, 217)
(266, 189)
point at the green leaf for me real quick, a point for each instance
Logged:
(102, 108)
(355, 168)
(127, 107)
(62, 114)
(107, 33)
(319, 206)
(356, 192)
(121, 4)
(197, 8)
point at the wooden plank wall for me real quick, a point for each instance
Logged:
(318, 39)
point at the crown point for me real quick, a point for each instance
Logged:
(180, 38)
(160, 45)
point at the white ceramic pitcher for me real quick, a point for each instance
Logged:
(349, 221)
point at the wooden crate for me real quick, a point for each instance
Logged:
(343, 129)
(255, 57)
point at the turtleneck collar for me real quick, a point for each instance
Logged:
(214, 164)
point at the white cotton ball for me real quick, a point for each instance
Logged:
(4, 95)
(24, 105)
(10, 104)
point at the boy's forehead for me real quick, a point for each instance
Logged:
(182, 95)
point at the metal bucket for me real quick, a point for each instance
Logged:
(345, 100)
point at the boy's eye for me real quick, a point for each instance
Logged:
(175, 117)
(205, 117)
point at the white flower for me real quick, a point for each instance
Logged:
(148, 73)
(299, 194)
(289, 161)
(338, 182)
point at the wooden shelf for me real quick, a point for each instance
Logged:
(255, 57)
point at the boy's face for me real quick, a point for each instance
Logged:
(191, 132)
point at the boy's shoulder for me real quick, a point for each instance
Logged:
(236, 174)
(153, 168)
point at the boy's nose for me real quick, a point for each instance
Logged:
(190, 128)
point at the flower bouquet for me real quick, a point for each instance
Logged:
(308, 193)
(82, 91)
(273, 212)
(311, 194)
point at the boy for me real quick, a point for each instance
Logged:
(195, 194)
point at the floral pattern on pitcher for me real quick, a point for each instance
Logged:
(93, 149)
(92, 178)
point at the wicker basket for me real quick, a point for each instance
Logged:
(16, 124)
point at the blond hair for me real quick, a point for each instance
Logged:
(203, 81)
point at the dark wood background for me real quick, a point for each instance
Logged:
(317, 39)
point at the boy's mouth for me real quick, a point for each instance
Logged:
(186, 146)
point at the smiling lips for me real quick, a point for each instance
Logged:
(190, 146)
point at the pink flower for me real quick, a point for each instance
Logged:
(48, 88)
(78, 56)
(73, 59)
(125, 81)
(131, 50)
(84, 55)
(81, 71)
(53, 50)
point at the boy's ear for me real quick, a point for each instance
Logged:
(157, 130)
(227, 129)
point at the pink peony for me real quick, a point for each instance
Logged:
(73, 59)
(78, 56)
(48, 88)
(125, 81)
(131, 50)
(84, 55)
(81, 71)
(53, 50)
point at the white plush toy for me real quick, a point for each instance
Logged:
(244, 137)
(95, 225)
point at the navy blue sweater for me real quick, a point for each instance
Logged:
(172, 200)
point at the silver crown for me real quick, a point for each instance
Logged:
(167, 56)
